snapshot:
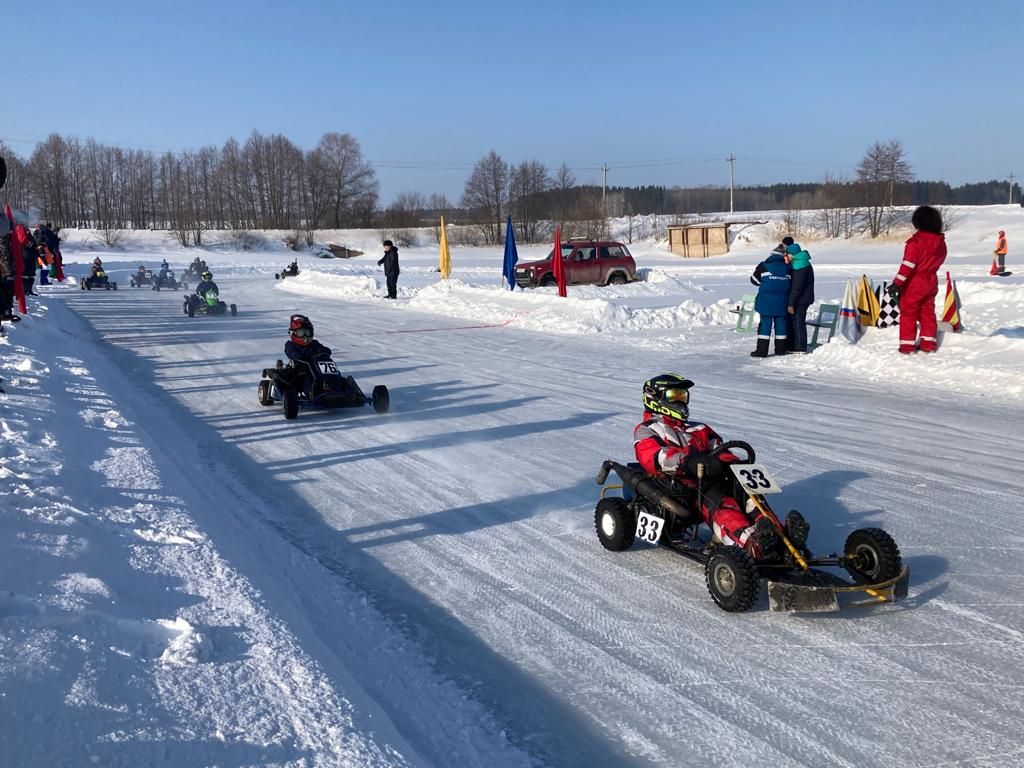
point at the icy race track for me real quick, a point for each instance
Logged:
(437, 566)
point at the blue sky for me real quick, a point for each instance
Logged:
(793, 89)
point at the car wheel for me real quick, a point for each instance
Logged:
(381, 399)
(872, 553)
(732, 580)
(548, 280)
(615, 524)
(616, 278)
(290, 403)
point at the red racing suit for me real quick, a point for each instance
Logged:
(662, 445)
(918, 282)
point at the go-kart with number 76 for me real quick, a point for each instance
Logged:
(663, 510)
(316, 384)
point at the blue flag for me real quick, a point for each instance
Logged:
(511, 256)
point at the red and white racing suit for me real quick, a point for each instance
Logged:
(662, 445)
(918, 282)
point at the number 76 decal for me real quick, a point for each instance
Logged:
(755, 479)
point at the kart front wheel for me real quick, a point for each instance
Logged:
(615, 524)
(234, 310)
(731, 576)
(381, 399)
(290, 403)
(872, 554)
(263, 392)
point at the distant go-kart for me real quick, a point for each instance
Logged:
(98, 279)
(662, 510)
(290, 271)
(320, 384)
(166, 280)
(139, 279)
(208, 304)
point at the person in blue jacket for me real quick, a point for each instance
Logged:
(772, 278)
(801, 295)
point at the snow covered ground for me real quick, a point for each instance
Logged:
(188, 579)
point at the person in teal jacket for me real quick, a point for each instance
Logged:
(772, 278)
(801, 295)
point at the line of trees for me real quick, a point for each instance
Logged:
(270, 183)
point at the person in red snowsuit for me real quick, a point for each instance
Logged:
(916, 283)
(666, 442)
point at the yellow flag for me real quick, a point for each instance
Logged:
(867, 303)
(445, 266)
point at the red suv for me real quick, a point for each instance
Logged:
(587, 262)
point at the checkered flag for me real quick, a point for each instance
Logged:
(888, 308)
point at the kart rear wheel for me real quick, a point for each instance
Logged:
(872, 553)
(290, 403)
(381, 399)
(115, 286)
(731, 576)
(234, 310)
(615, 524)
(190, 309)
(82, 284)
(263, 392)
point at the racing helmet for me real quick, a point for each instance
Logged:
(207, 275)
(668, 395)
(301, 329)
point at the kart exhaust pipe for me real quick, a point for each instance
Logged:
(642, 485)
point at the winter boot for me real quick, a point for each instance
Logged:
(797, 529)
(780, 347)
(763, 542)
(762, 348)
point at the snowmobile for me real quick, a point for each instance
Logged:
(98, 279)
(208, 304)
(290, 271)
(140, 279)
(664, 510)
(165, 280)
(319, 384)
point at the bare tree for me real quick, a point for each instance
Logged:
(353, 180)
(880, 174)
(439, 205)
(563, 185)
(402, 217)
(530, 180)
(486, 195)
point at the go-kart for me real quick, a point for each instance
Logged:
(98, 279)
(165, 280)
(664, 510)
(140, 279)
(208, 304)
(319, 384)
(290, 271)
(193, 272)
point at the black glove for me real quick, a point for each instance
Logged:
(894, 291)
(713, 466)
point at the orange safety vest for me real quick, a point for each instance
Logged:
(1001, 247)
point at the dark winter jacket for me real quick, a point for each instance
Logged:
(801, 289)
(772, 276)
(308, 353)
(390, 261)
(50, 239)
(6, 254)
(205, 287)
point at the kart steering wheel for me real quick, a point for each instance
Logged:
(744, 446)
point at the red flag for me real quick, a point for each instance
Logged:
(19, 237)
(951, 308)
(558, 264)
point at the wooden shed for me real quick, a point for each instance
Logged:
(698, 241)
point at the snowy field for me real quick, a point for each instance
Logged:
(187, 579)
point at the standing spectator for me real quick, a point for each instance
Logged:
(773, 278)
(30, 255)
(390, 262)
(7, 271)
(801, 294)
(999, 256)
(917, 283)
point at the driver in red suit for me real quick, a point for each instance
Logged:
(666, 442)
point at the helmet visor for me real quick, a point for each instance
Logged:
(305, 332)
(677, 395)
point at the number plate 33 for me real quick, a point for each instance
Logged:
(755, 479)
(648, 527)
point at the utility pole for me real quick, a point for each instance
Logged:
(604, 189)
(1012, 177)
(730, 159)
